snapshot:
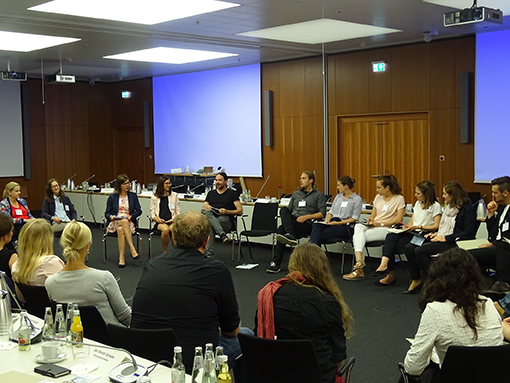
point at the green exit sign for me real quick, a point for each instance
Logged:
(379, 66)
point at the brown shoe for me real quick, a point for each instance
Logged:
(356, 275)
(359, 265)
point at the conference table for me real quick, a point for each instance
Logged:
(18, 366)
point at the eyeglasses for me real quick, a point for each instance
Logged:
(126, 183)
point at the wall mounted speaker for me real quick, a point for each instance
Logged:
(466, 106)
(147, 124)
(268, 117)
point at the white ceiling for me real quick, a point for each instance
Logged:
(217, 31)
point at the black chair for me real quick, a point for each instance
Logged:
(380, 244)
(106, 234)
(36, 298)
(276, 361)
(470, 365)
(153, 232)
(152, 344)
(263, 223)
(344, 242)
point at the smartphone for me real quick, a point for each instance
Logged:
(52, 370)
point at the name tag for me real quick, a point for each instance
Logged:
(172, 206)
(67, 207)
(504, 227)
(302, 203)
(344, 204)
(385, 207)
(18, 211)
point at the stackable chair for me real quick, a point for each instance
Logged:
(263, 223)
(276, 361)
(106, 234)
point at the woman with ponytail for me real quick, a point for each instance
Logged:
(83, 285)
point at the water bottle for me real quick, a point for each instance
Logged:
(60, 325)
(69, 319)
(48, 333)
(178, 370)
(224, 375)
(217, 364)
(23, 332)
(209, 371)
(198, 366)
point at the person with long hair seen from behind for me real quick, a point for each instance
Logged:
(426, 217)
(83, 285)
(122, 209)
(57, 208)
(454, 313)
(345, 211)
(388, 210)
(15, 206)
(164, 208)
(307, 304)
(7, 256)
(457, 222)
(36, 260)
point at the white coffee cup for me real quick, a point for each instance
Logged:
(50, 350)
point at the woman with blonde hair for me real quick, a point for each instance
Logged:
(307, 301)
(83, 285)
(36, 260)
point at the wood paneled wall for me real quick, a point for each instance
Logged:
(75, 129)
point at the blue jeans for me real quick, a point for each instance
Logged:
(232, 349)
(505, 304)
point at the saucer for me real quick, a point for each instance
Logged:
(39, 358)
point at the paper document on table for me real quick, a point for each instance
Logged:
(247, 266)
(398, 231)
(18, 377)
(471, 244)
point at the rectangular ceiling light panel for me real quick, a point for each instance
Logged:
(170, 55)
(319, 31)
(28, 42)
(148, 12)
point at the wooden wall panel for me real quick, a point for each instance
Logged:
(443, 80)
(410, 77)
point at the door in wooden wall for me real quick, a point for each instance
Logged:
(384, 144)
(129, 149)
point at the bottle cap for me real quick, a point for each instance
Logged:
(177, 349)
(223, 358)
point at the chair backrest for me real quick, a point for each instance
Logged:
(152, 344)
(264, 216)
(475, 364)
(276, 361)
(36, 298)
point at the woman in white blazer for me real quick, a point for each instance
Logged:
(164, 208)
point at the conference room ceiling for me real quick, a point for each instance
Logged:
(218, 31)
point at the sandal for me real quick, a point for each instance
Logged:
(359, 265)
(356, 275)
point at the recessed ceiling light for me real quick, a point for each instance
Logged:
(170, 55)
(27, 42)
(319, 31)
(147, 12)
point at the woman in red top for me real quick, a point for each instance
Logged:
(15, 206)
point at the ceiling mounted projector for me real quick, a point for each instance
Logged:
(59, 79)
(473, 15)
(14, 76)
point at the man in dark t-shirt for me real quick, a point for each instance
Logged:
(188, 292)
(220, 206)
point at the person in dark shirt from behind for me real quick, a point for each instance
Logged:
(191, 293)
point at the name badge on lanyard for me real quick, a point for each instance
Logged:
(302, 203)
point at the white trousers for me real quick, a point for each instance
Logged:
(364, 234)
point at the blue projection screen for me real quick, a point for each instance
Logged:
(492, 122)
(210, 118)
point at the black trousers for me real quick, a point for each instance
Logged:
(496, 257)
(395, 243)
(419, 257)
(289, 225)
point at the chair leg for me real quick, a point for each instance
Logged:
(138, 243)
(369, 259)
(149, 240)
(249, 247)
(104, 249)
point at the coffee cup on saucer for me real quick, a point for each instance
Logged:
(50, 350)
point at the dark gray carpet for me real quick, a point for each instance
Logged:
(383, 317)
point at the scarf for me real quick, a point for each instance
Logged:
(447, 223)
